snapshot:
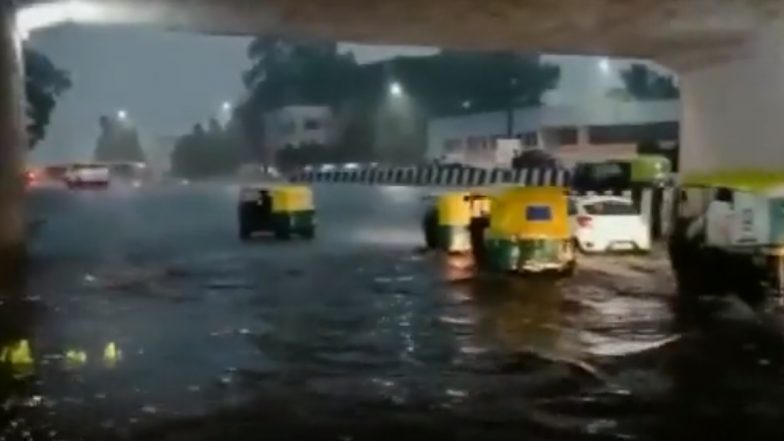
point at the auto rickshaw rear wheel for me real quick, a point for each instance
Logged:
(477, 229)
(309, 233)
(569, 269)
(244, 229)
(282, 234)
(430, 228)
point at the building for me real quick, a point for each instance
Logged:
(297, 126)
(599, 129)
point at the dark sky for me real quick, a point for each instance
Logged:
(166, 81)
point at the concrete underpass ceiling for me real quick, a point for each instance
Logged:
(676, 31)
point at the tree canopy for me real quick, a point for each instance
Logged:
(643, 83)
(286, 72)
(44, 83)
(206, 153)
(117, 141)
(455, 82)
(301, 72)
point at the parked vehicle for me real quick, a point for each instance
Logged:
(608, 223)
(87, 176)
(644, 170)
(528, 232)
(729, 236)
(282, 210)
(446, 224)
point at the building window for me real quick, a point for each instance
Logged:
(530, 139)
(312, 124)
(566, 135)
(474, 142)
(287, 128)
(452, 145)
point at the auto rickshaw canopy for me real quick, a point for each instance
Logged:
(457, 208)
(453, 209)
(530, 213)
(286, 198)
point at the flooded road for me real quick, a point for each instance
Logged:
(144, 317)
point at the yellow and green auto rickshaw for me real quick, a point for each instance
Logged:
(281, 210)
(528, 232)
(446, 224)
(643, 170)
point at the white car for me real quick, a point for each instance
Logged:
(608, 223)
(87, 176)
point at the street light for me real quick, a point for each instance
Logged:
(226, 106)
(604, 65)
(122, 115)
(395, 89)
(466, 104)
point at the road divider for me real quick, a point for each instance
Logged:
(438, 176)
(654, 203)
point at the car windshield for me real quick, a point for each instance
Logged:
(610, 208)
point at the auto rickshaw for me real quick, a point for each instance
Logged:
(729, 235)
(446, 224)
(643, 170)
(281, 210)
(528, 232)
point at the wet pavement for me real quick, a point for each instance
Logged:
(144, 317)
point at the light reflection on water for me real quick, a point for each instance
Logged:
(550, 317)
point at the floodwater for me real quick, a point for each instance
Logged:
(144, 317)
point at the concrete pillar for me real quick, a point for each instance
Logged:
(12, 147)
(541, 138)
(583, 136)
(733, 108)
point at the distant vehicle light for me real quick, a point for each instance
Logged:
(327, 167)
(351, 166)
(308, 168)
(137, 183)
(185, 182)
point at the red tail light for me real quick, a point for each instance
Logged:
(584, 221)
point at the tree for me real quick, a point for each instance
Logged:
(643, 83)
(214, 152)
(117, 141)
(456, 82)
(286, 72)
(44, 83)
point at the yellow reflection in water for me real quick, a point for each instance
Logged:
(75, 358)
(111, 354)
(17, 355)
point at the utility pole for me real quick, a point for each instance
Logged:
(510, 101)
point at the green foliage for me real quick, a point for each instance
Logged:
(44, 83)
(458, 82)
(645, 84)
(207, 153)
(286, 72)
(117, 141)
